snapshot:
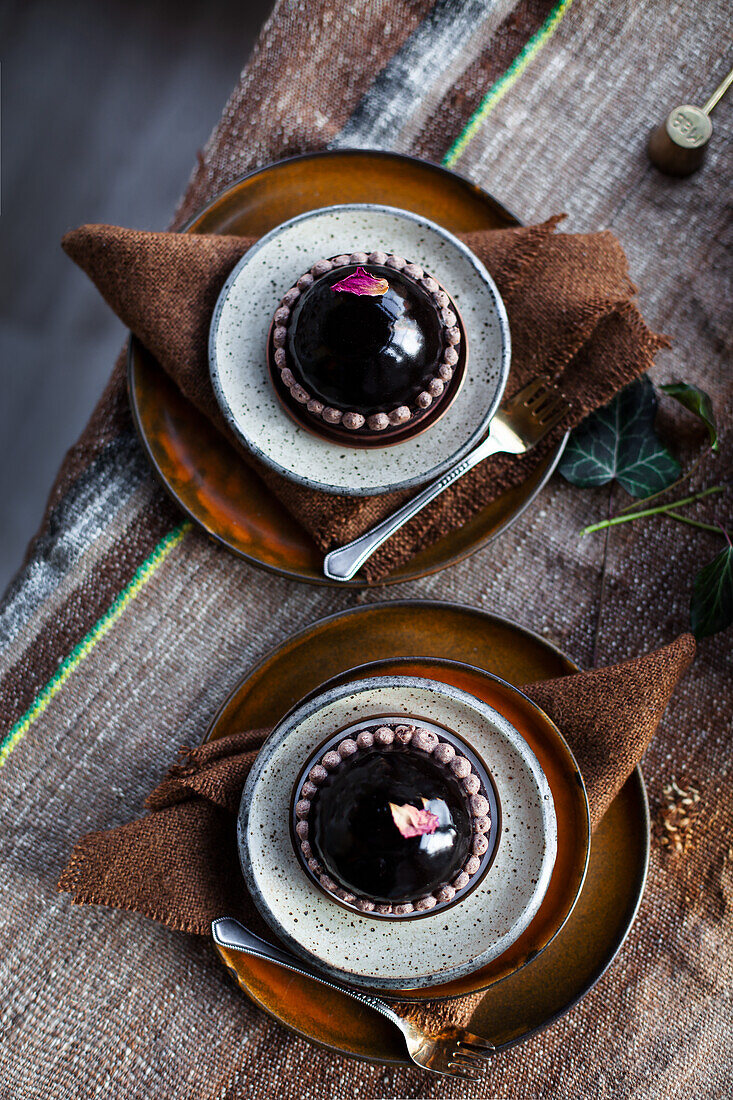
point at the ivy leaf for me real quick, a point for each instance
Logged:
(697, 402)
(619, 441)
(711, 607)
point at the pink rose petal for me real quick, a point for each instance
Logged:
(361, 282)
(413, 822)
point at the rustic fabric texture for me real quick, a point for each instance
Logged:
(570, 313)
(179, 865)
(118, 643)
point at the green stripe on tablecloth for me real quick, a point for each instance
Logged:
(506, 80)
(141, 577)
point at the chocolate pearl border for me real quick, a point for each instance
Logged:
(424, 741)
(380, 421)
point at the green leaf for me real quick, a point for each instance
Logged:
(711, 607)
(697, 402)
(619, 441)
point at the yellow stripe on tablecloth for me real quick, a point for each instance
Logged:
(506, 80)
(142, 575)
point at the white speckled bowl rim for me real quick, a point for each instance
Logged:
(398, 955)
(238, 343)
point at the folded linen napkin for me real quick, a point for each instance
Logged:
(179, 864)
(569, 301)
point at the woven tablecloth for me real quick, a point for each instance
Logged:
(126, 627)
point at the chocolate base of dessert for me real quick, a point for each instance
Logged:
(391, 406)
(394, 821)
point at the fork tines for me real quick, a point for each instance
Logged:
(543, 400)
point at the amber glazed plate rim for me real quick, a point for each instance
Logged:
(405, 573)
(635, 782)
(376, 606)
(329, 154)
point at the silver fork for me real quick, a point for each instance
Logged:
(453, 1052)
(517, 427)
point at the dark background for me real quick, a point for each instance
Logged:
(104, 105)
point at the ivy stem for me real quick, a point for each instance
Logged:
(716, 529)
(602, 594)
(674, 485)
(614, 520)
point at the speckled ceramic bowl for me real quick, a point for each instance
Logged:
(438, 947)
(239, 334)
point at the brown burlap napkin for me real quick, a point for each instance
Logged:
(568, 297)
(179, 864)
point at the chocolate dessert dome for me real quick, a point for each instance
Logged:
(394, 821)
(365, 345)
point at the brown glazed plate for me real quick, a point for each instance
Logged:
(559, 957)
(205, 473)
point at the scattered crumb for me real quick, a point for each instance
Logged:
(675, 821)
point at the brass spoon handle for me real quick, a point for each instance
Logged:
(718, 94)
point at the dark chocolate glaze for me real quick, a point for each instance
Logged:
(361, 353)
(354, 835)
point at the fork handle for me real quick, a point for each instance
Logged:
(343, 563)
(229, 933)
